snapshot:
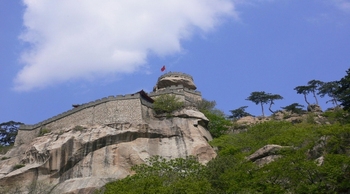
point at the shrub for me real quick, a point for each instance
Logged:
(18, 166)
(78, 128)
(337, 115)
(4, 158)
(167, 104)
(43, 131)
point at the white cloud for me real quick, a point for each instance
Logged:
(89, 38)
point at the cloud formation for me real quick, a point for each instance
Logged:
(91, 38)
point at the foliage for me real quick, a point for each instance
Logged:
(18, 166)
(259, 98)
(161, 176)
(43, 131)
(294, 108)
(337, 115)
(167, 103)
(329, 88)
(343, 91)
(264, 98)
(218, 125)
(78, 128)
(205, 105)
(272, 98)
(295, 172)
(8, 132)
(239, 113)
(313, 86)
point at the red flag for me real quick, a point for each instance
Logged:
(163, 68)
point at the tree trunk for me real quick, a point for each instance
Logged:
(313, 92)
(271, 103)
(335, 101)
(262, 109)
(306, 100)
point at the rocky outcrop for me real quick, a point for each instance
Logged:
(315, 108)
(266, 154)
(83, 158)
(175, 79)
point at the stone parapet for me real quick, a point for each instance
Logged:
(175, 74)
(85, 106)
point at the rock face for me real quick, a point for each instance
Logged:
(266, 154)
(82, 149)
(175, 79)
(84, 158)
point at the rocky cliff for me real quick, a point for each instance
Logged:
(82, 149)
(85, 157)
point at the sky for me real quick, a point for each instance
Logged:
(57, 53)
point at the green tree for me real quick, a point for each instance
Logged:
(218, 124)
(167, 103)
(272, 98)
(8, 132)
(294, 108)
(159, 175)
(312, 87)
(329, 88)
(239, 113)
(259, 98)
(303, 90)
(343, 92)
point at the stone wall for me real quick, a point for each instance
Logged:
(121, 109)
(181, 92)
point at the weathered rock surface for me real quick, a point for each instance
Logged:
(266, 154)
(81, 159)
(168, 81)
(314, 108)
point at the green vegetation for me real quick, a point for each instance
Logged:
(4, 158)
(343, 92)
(264, 98)
(218, 124)
(294, 108)
(239, 113)
(295, 172)
(78, 128)
(167, 104)
(160, 176)
(43, 131)
(18, 166)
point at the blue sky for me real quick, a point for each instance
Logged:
(57, 53)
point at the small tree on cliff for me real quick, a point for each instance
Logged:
(239, 113)
(259, 98)
(312, 87)
(303, 90)
(294, 108)
(273, 97)
(343, 92)
(330, 88)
